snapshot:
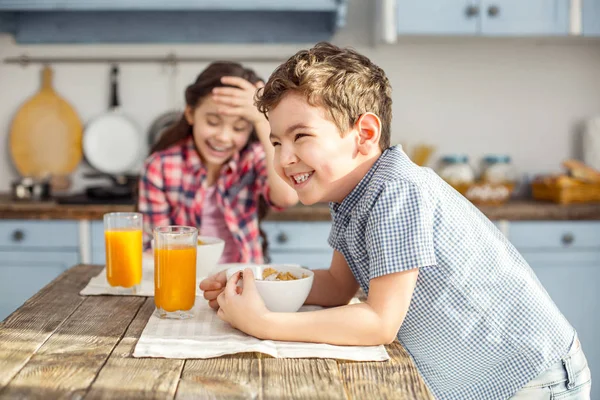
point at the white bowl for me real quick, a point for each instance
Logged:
(208, 255)
(280, 296)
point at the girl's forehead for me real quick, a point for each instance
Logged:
(208, 107)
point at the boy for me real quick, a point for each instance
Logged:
(438, 275)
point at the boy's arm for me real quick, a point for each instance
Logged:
(372, 323)
(334, 286)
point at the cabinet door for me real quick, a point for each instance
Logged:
(438, 17)
(23, 274)
(591, 17)
(97, 239)
(571, 278)
(518, 17)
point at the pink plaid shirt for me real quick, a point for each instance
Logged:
(173, 186)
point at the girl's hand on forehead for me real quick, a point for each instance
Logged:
(239, 100)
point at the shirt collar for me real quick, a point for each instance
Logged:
(346, 206)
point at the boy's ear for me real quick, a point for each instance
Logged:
(189, 115)
(369, 132)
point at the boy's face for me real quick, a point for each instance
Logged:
(310, 153)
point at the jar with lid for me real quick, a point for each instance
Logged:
(455, 170)
(497, 169)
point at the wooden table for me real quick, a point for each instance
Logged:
(62, 345)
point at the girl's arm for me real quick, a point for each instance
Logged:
(240, 101)
(281, 194)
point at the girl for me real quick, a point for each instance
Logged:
(213, 169)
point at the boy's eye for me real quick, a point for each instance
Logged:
(299, 135)
(276, 144)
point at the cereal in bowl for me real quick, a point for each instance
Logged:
(271, 274)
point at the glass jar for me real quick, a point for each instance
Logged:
(497, 169)
(455, 170)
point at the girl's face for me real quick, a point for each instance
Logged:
(218, 137)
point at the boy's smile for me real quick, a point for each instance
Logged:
(310, 153)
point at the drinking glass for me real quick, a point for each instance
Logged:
(175, 270)
(123, 243)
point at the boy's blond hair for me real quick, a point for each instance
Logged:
(344, 82)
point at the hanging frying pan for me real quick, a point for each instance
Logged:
(112, 143)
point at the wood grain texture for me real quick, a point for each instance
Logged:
(62, 345)
(395, 379)
(236, 376)
(301, 379)
(125, 377)
(68, 362)
(512, 211)
(28, 328)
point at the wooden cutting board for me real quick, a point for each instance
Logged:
(46, 134)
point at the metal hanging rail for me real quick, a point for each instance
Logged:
(170, 59)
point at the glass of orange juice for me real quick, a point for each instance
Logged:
(123, 242)
(175, 271)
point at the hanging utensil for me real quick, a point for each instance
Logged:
(112, 142)
(46, 134)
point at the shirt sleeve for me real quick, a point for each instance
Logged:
(262, 177)
(399, 234)
(152, 200)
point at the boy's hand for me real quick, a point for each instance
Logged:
(245, 309)
(212, 287)
(238, 100)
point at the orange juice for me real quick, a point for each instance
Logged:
(123, 257)
(175, 278)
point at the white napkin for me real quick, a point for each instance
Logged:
(98, 285)
(206, 336)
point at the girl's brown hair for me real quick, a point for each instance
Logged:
(209, 79)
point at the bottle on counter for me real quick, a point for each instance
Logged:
(497, 169)
(455, 170)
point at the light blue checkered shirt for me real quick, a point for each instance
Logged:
(480, 325)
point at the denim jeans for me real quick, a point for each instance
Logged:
(568, 379)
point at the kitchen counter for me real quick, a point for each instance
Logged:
(63, 345)
(513, 211)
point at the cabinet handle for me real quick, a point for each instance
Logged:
(472, 11)
(493, 11)
(18, 236)
(567, 239)
(282, 238)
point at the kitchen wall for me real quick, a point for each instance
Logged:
(524, 97)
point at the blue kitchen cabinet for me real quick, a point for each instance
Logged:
(483, 17)
(23, 274)
(443, 17)
(173, 21)
(531, 17)
(32, 254)
(97, 242)
(565, 256)
(303, 243)
(590, 17)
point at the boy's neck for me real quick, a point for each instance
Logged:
(357, 174)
